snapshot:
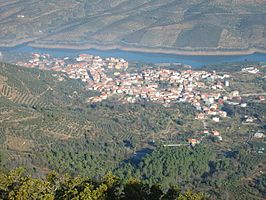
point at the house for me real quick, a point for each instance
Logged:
(215, 133)
(20, 16)
(211, 100)
(261, 98)
(251, 70)
(219, 138)
(223, 114)
(227, 83)
(249, 120)
(216, 119)
(210, 112)
(235, 93)
(225, 98)
(200, 116)
(243, 105)
(259, 135)
(193, 141)
(220, 101)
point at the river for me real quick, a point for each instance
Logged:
(194, 61)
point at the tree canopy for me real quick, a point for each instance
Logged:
(17, 184)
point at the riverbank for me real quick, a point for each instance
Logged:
(9, 54)
(153, 50)
(186, 52)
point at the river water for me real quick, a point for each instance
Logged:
(194, 61)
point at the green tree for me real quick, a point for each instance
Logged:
(113, 184)
(11, 182)
(156, 193)
(35, 189)
(189, 195)
(172, 193)
(135, 190)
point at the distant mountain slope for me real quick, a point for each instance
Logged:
(152, 25)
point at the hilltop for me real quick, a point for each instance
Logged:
(170, 26)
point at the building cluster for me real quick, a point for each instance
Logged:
(44, 62)
(252, 70)
(202, 89)
(110, 77)
(88, 68)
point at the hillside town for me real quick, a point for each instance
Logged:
(206, 91)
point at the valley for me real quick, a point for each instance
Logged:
(133, 100)
(48, 124)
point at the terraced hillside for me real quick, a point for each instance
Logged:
(26, 96)
(34, 110)
(179, 26)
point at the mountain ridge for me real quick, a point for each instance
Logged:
(227, 27)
